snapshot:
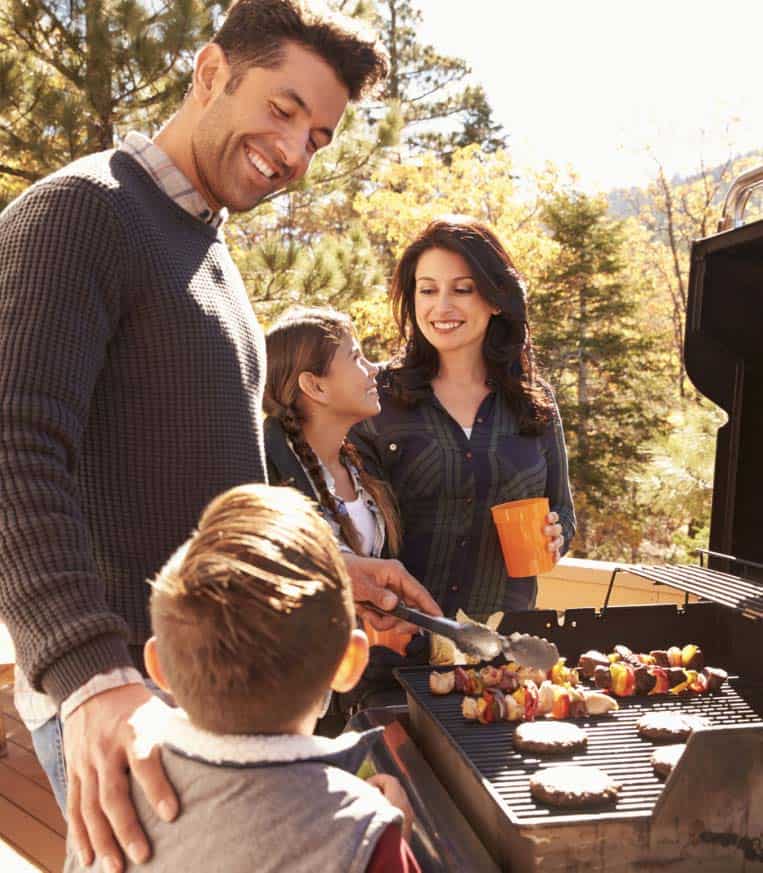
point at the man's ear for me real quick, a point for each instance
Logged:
(353, 663)
(311, 386)
(154, 668)
(211, 72)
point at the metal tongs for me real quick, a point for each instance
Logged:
(478, 640)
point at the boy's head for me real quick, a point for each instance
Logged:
(253, 615)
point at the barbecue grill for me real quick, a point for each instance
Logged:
(708, 815)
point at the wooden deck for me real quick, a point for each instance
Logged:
(32, 829)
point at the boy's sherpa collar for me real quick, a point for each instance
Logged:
(155, 723)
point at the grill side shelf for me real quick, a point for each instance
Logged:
(718, 782)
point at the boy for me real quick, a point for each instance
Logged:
(254, 624)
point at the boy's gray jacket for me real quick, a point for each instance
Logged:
(260, 803)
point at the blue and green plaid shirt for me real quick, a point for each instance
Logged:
(445, 484)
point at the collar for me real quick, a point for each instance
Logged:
(174, 183)
(156, 723)
(329, 479)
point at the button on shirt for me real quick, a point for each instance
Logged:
(445, 484)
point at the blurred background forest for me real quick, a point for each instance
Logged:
(607, 275)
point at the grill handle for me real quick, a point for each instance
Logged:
(737, 197)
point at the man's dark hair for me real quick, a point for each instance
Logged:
(255, 34)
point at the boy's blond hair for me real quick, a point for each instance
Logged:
(253, 613)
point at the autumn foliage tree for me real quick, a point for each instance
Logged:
(596, 355)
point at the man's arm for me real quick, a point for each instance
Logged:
(63, 268)
(57, 312)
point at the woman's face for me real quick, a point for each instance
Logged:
(349, 385)
(450, 311)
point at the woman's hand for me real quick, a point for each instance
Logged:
(553, 530)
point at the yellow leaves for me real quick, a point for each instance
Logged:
(403, 197)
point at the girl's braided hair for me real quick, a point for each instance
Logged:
(306, 340)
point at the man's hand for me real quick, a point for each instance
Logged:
(382, 582)
(394, 792)
(98, 745)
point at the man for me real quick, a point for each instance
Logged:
(131, 371)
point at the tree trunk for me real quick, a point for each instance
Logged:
(393, 83)
(100, 129)
(582, 389)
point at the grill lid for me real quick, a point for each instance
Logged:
(723, 354)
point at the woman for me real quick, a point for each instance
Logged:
(465, 422)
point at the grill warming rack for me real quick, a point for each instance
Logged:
(739, 592)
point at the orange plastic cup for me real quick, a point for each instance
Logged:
(520, 526)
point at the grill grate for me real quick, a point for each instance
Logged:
(727, 589)
(613, 744)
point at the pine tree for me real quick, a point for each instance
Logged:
(439, 112)
(596, 355)
(73, 73)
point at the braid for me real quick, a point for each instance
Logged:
(309, 459)
(381, 494)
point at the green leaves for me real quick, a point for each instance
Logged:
(75, 73)
(596, 355)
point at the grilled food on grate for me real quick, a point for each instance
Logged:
(507, 693)
(665, 758)
(573, 786)
(549, 737)
(662, 671)
(662, 727)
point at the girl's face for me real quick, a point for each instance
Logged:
(450, 311)
(349, 386)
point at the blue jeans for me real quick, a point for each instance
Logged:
(48, 743)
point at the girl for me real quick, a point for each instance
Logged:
(318, 386)
(465, 421)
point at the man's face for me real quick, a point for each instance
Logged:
(262, 137)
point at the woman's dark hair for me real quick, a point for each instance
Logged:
(507, 347)
(255, 34)
(306, 339)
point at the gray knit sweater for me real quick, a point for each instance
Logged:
(131, 371)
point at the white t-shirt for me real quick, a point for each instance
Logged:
(468, 432)
(364, 522)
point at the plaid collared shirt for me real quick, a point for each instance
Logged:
(445, 484)
(170, 179)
